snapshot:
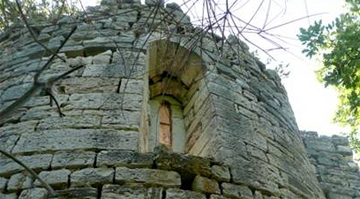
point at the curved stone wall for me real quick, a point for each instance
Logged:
(235, 111)
(121, 174)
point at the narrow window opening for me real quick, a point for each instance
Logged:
(165, 123)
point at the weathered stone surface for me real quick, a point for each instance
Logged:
(57, 179)
(258, 195)
(74, 159)
(8, 141)
(8, 196)
(321, 145)
(121, 119)
(236, 191)
(154, 2)
(15, 92)
(212, 196)
(76, 121)
(71, 139)
(35, 193)
(3, 182)
(92, 176)
(19, 181)
(123, 191)
(334, 166)
(35, 162)
(263, 176)
(338, 196)
(205, 185)
(103, 58)
(183, 194)
(121, 158)
(188, 166)
(105, 101)
(111, 70)
(220, 173)
(344, 150)
(151, 177)
(88, 85)
(81, 193)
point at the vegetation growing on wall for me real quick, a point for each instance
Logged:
(34, 10)
(338, 46)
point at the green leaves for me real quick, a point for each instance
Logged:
(36, 10)
(338, 45)
(313, 38)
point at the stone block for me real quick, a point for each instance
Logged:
(3, 182)
(332, 195)
(220, 173)
(35, 162)
(8, 196)
(80, 193)
(74, 159)
(320, 144)
(340, 140)
(89, 85)
(8, 141)
(121, 119)
(206, 185)
(187, 165)
(19, 181)
(155, 2)
(103, 58)
(57, 179)
(92, 176)
(121, 158)
(183, 194)
(110, 191)
(105, 101)
(287, 194)
(258, 195)
(72, 139)
(156, 193)
(152, 177)
(344, 150)
(212, 196)
(131, 86)
(15, 92)
(35, 193)
(69, 121)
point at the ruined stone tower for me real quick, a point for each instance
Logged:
(145, 77)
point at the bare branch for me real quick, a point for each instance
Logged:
(32, 33)
(32, 172)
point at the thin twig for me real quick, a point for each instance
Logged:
(32, 172)
(32, 33)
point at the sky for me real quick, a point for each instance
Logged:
(313, 104)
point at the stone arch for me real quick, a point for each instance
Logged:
(174, 75)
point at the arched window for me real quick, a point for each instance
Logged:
(176, 101)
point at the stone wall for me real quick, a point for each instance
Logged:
(121, 174)
(336, 171)
(235, 111)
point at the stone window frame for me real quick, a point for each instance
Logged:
(175, 72)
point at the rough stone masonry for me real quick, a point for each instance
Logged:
(235, 129)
